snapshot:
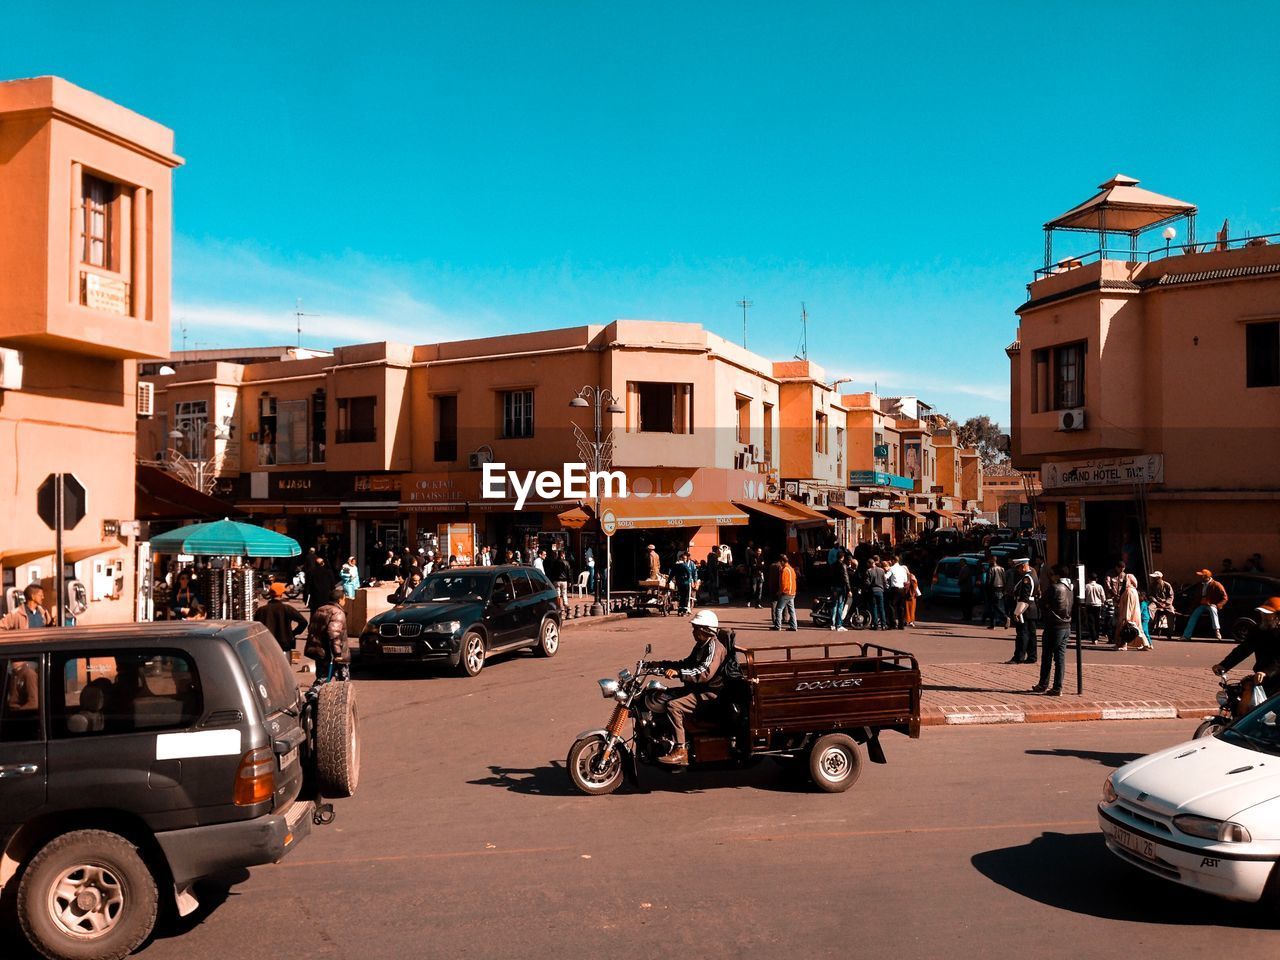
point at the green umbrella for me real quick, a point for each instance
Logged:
(226, 538)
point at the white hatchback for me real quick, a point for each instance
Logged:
(1205, 813)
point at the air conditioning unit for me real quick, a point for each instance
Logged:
(10, 369)
(477, 460)
(741, 460)
(1071, 419)
(146, 398)
(757, 453)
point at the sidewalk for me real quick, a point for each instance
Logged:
(960, 693)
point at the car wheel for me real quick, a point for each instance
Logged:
(548, 638)
(471, 656)
(1240, 629)
(337, 740)
(835, 763)
(87, 895)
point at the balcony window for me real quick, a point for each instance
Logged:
(744, 418)
(821, 442)
(266, 431)
(1068, 376)
(291, 431)
(357, 420)
(517, 414)
(98, 209)
(660, 407)
(1262, 354)
(319, 426)
(768, 434)
(446, 447)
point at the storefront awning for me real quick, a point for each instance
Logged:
(909, 512)
(159, 495)
(76, 554)
(788, 511)
(17, 557)
(651, 513)
(842, 511)
(946, 514)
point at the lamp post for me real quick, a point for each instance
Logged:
(1169, 234)
(192, 469)
(597, 454)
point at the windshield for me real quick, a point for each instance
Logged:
(451, 586)
(1258, 730)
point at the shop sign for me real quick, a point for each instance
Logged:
(876, 478)
(878, 503)
(106, 294)
(1145, 469)
(1075, 514)
(377, 483)
(608, 523)
(881, 451)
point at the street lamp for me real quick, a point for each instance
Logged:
(1169, 234)
(597, 453)
(192, 469)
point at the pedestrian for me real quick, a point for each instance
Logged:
(320, 584)
(1094, 597)
(895, 594)
(1254, 564)
(327, 635)
(913, 596)
(590, 557)
(841, 588)
(712, 578)
(1058, 602)
(1129, 617)
(684, 574)
(31, 613)
(1213, 597)
(1160, 593)
(184, 597)
(655, 564)
(877, 583)
(965, 582)
(1263, 641)
(282, 621)
(993, 595)
(557, 571)
(540, 561)
(756, 561)
(785, 605)
(1026, 611)
(350, 575)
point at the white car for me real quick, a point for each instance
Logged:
(1205, 813)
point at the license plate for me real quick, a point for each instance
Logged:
(1134, 844)
(397, 648)
(288, 759)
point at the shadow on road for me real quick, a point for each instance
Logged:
(553, 781)
(945, 688)
(1104, 757)
(1075, 872)
(548, 781)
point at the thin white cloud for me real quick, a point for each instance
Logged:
(920, 384)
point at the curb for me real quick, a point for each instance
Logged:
(1006, 713)
(592, 621)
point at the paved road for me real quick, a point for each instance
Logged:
(465, 841)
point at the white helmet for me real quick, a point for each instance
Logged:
(705, 618)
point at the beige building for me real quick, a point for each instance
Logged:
(1145, 388)
(85, 214)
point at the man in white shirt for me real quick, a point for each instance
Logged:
(1095, 595)
(895, 594)
(538, 560)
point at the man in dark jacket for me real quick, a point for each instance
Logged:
(320, 584)
(1059, 603)
(1263, 642)
(284, 622)
(327, 635)
(1026, 594)
(700, 672)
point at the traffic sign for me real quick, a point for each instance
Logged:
(74, 498)
(608, 523)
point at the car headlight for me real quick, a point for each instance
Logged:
(1225, 831)
(1108, 791)
(445, 626)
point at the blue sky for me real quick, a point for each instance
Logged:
(434, 171)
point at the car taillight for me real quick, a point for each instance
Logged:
(256, 777)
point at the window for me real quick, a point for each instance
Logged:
(1262, 354)
(127, 692)
(446, 450)
(661, 407)
(291, 431)
(319, 426)
(744, 418)
(19, 701)
(822, 443)
(1068, 376)
(839, 452)
(266, 431)
(191, 419)
(768, 433)
(524, 587)
(270, 674)
(99, 199)
(357, 419)
(517, 414)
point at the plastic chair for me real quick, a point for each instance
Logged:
(582, 583)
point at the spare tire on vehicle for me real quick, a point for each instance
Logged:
(337, 740)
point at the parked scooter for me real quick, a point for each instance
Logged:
(856, 617)
(1229, 708)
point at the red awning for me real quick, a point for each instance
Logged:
(159, 495)
(788, 511)
(844, 511)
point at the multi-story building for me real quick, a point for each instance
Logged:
(85, 195)
(1145, 387)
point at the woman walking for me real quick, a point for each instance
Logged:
(350, 575)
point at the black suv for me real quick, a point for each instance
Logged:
(463, 616)
(137, 759)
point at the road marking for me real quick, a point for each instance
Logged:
(905, 830)
(444, 855)
(1139, 713)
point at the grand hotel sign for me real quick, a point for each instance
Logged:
(1148, 468)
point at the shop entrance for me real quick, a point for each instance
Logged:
(1113, 531)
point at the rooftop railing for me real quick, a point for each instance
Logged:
(1128, 255)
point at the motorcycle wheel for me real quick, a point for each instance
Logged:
(835, 763)
(1209, 728)
(579, 764)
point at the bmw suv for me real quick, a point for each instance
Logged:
(463, 616)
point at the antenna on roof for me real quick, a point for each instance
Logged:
(804, 333)
(183, 322)
(297, 317)
(746, 305)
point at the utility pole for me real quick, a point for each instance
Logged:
(297, 318)
(804, 333)
(746, 305)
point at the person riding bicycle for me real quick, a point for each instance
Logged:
(701, 673)
(1263, 641)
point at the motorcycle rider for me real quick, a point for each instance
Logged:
(701, 674)
(1263, 641)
